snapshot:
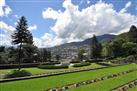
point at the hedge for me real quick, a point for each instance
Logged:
(74, 61)
(81, 64)
(25, 65)
(94, 61)
(52, 67)
(104, 64)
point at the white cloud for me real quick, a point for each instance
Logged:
(5, 39)
(100, 18)
(128, 4)
(47, 40)
(5, 36)
(6, 28)
(34, 27)
(5, 10)
(48, 13)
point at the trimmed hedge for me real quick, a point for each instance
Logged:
(94, 61)
(104, 64)
(75, 62)
(81, 64)
(13, 66)
(52, 67)
(17, 73)
(52, 63)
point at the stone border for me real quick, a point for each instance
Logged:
(78, 84)
(56, 73)
(126, 86)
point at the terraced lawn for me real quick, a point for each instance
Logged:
(108, 84)
(35, 70)
(40, 84)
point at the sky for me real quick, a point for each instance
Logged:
(54, 22)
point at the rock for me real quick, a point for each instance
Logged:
(84, 83)
(65, 87)
(53, 90)
(77, 85)
(130, 85)
(135, 82)
(125, 87)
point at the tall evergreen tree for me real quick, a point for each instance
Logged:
(95, 48)
(44, 55)
(80, 54)
(132, 34)
(22, 36)
(49, 56)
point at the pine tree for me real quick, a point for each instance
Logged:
(22, 36)
(132, 34)
(95, 48)
(44, 56)
(80, 54)
(49, 56)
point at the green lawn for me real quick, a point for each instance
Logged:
(108, 84)
(40, 84)
(133, 89)
(35, 71)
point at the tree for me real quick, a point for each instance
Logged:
(49, 56)
(12, 54)
(2, 48)
(130, 48)
(21, 36)
(116, 45)
(44, 54)
(57, 57)
(29, 52)
(107, 51)
(132, 34)
(96, 48)
(80, 54)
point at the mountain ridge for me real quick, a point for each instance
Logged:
(101, 38)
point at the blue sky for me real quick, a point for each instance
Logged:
(34, 11)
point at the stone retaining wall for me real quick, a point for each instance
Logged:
(126, 86)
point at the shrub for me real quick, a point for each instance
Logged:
(75, 61)
(94, 61)
(52, 63)
(125, 60)
(17, 73)
(52, 67)
(104, 64)
(23, 65)
(81, 64)
(26, 65)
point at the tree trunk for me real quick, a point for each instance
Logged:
(20, 53)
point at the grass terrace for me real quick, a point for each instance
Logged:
(107, 85)
(36, 70)
(40, 84)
